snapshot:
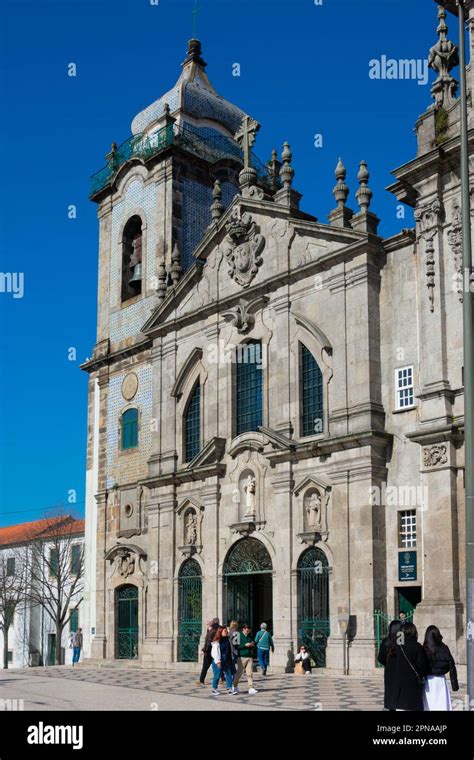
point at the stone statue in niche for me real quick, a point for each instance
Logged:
(313, 511)
(250, 489)
(191, 529)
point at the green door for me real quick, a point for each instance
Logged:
(127, 622)
(51, 649)
(189, 611)
(313, 604)
(248, 584)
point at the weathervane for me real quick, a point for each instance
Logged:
(195, 14)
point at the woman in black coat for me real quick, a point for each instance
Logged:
(387, 657)
(436, 693)
(411, 666)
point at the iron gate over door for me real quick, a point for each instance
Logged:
(189, 611)
(313, 604)
(247, 594)
(127, 622)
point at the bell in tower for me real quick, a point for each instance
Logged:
(135, 281)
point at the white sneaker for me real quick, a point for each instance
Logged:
(215, 692)
(233, 691)
(253, 691)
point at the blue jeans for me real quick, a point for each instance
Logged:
(263, 658)
(76, 653)
(217, 674)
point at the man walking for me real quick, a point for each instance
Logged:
(264, 643)
(245, 647)
(76, 646)
(212, 627)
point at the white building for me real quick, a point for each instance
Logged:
(32, 637)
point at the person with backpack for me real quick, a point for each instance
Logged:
(411, 667)
(264, 643)
(436, 694)
(387, 658)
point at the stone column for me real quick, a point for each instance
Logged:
(166, 566)
(152, 604)
(212, 588)
(359, 568)
(104, 214)
(99, 641)
(440, 525)
(284, 624)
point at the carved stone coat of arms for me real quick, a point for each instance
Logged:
(243, 246)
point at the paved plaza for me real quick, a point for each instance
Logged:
(115, 688)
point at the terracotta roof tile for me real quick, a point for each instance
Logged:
(17, 534)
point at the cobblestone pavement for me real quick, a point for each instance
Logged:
(92, 688)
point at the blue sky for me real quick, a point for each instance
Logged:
(304, 71)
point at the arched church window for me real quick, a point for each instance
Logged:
(192, 425)
(129, 425)
(311, 393)
(248, 401)
(132, 258)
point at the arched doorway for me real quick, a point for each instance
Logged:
(126, 606)
(248, 584)
(189, 611)
(313, 604)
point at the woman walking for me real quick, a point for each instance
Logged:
(387, 658)
(436, 694)
(411, 667)
(221, 651)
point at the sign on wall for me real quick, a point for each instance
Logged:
(407, 566)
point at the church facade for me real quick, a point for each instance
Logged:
(275, 428)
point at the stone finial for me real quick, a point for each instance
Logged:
(217, 207)
(442, 58)
(286, 172)
(364, 193)
(161, 289)
(341, 191)
(273, 168)
(194, 54)
(175, 270)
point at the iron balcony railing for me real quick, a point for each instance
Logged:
(211, 148)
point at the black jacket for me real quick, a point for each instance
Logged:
(410, 657)
(441, 662)
(389, 662)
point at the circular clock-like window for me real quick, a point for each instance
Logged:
(128, 509)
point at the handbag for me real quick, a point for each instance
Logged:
(420, 679)
(299, 670)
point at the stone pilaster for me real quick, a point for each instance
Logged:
(284, 623)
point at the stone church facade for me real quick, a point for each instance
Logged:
(275, 427)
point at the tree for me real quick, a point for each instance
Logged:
(13, 583)
(56, 571)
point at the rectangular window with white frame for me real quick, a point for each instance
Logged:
(407, 529)
(405, 390)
